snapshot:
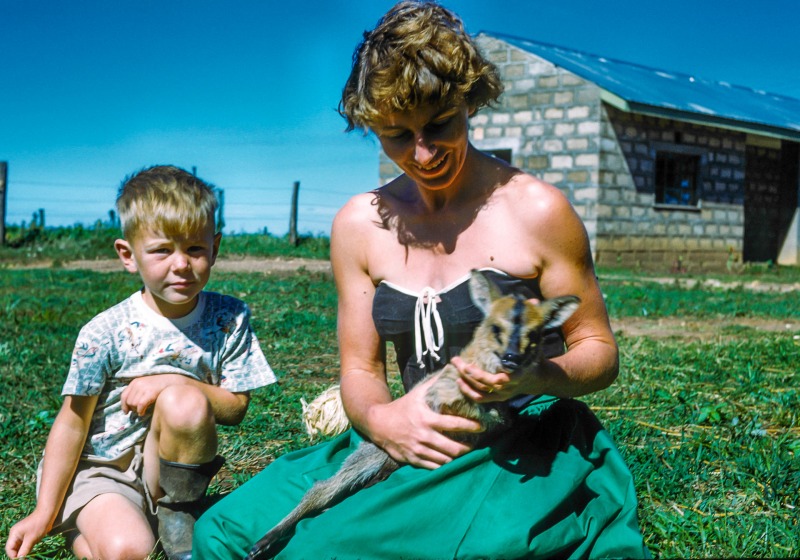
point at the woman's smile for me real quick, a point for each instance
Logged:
(434, 166)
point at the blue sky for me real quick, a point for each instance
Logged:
(246, 91)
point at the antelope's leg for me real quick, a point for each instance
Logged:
(367, 465)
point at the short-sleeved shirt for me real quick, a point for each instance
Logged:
(214, 344)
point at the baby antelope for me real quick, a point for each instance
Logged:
(507, 339)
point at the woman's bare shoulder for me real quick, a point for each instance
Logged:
(531, 194)
(357, 210)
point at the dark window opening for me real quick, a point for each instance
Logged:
(505, 154)
(676, 178)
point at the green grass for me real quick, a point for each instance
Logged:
(645, 298)
(62, 244)
(708, 427)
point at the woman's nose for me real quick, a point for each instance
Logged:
(424, 150)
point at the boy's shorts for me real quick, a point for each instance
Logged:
(121, 476)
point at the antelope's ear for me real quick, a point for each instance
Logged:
(557, 310)
(482, 290)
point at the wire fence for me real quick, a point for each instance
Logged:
(245, 208)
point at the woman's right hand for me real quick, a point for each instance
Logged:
(410, 432)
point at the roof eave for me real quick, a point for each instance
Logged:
(697, 118)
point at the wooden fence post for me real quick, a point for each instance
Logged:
(220, 209)
(293, 214)
(3, 176)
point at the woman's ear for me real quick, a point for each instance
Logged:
(125, 252)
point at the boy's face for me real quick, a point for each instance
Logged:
(174, 270)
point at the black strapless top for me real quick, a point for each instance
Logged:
(448, 317)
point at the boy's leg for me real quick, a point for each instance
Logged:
(111, 526)
(180, 460)
(182, 430)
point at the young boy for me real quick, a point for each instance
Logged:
(149, 381)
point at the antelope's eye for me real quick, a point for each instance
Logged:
(497, 331)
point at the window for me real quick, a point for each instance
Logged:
(503, 154)
(676, 178)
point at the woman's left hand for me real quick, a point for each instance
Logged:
(482, 386)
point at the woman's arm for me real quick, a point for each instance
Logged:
(557, 240)
(591, 362)
(62, 453)
(406, 428)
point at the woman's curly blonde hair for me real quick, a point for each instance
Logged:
(419, 53)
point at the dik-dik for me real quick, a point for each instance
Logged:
(507, 339)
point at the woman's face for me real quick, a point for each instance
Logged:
(429, 144)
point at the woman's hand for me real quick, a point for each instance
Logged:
(410, 432)
(482, 386)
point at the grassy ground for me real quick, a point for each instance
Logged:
(709, 426)
(58, 245)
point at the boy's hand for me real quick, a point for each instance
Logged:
(142, 392)
(25, 534)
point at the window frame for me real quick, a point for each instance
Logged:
(503, 154)
(677, 152)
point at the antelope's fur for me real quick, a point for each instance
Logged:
(507, 339)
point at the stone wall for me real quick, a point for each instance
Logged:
(604, 160)
(634, 231)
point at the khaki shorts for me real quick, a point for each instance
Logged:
(121, 476)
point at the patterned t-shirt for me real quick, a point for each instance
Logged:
(214, 344)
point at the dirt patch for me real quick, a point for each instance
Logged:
(251, 264)
(712, 283)
(626, 326)
(632, 327)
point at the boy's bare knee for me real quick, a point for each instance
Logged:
(125, 547)
(184, 408)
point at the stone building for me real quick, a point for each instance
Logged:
(668, 171)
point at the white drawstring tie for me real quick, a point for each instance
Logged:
(426, 317)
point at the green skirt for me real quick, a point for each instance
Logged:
(554, 485)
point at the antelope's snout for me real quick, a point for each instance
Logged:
(511, 360)
(513, 355)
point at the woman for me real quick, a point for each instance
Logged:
(554, 485)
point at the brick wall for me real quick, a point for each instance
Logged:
(722, 175)
(634, 231)
(604, 161)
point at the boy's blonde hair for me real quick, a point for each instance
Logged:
(419, 53)
(167, 200)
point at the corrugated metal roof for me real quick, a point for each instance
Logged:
(640, 89)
